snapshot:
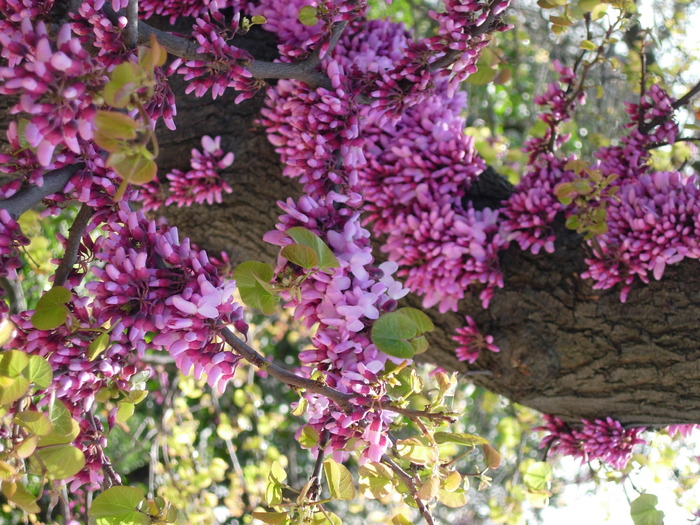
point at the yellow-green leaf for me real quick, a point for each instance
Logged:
(307, 15)
(61, 461)
(39, 371)
(20, 496)
(51, 311)
(273, 518)
(339, 479)
(119, 505)
(300, 255)
(35, 422)
(12, 389)
(12, 363)
(429, 489)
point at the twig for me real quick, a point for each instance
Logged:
(685, 99)
(29, 196)
(416, 414)
(131, 30)
(316, 475)
(408, 481)
(249, 354)
(75, 235)
(260, 69)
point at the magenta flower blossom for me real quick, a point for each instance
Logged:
(63, 74)
(202, 183)
(603, 439)
(227, 68)
(153, 283)
(472, 341)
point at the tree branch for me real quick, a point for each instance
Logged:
(75, 235)
(30, 196)
(303, 71)
(249, 354)
(131, 31)
(408, 481)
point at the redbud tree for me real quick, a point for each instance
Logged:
(221, 159)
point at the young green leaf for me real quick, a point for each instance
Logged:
(118, 505)
(20, 496)
(300, 255)
(97, 346)
(273, 518)
(252, 278)
(643, 511)
(34, 422)
(38, 371)
(51, 311)
(12, 389)
(305, 237)
(61, 461)
(421, 320)
(339, 479)
(392, 332)
(307, 15)
(12, 363)
(470, 440)
(538, 476)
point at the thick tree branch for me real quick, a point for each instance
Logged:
(131, 31)
(30, 196)
(75, 235)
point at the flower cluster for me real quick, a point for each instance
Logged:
(175, 9)
(472, 341)
(225, 68)
(653, 224)
(152, 283)
(603, 439)
(57, 83)
(202, 183)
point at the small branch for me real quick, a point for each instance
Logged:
(131, 31)
(685, 99)
(416, 414)
(315, 490)
(30, 196)
(303, 71)
(75, 235)
(408, 481)
(249, 354)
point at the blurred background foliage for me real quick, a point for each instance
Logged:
(210, 455)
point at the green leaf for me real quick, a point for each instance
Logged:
(482, 76)
(273, 518)
(250, 277)
(113, 128)
(419, 344)
(12, 363)
(300, 255)
(339, 479)
(307, 15)
(420, 319)
(326, 259)
(643, 511)
(587, 44)
(98, 345)
(12, 389)
(452, 481)
(39, 371)
(51, 311)
(125, 410)
(417, 451)
(35, 422)
(123, 83)
(20, 496)
(118, 505)
(258, 19)
(27, 447)
(538, 476)
(391, 333)
(65, 428)
(454, 500)
(309, 437)
(470, 440)
(277, 473)
(61, 461)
